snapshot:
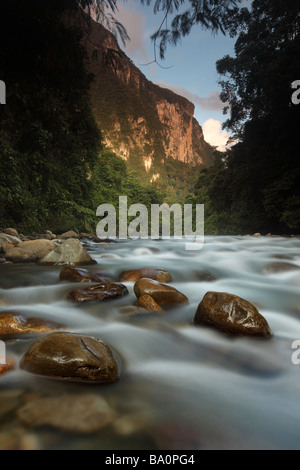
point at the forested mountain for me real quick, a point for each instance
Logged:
(55, 167)
(152, 128)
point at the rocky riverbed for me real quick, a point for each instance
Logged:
(144, 345)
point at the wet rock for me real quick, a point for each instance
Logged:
(81, 413)
(8, 239)
(71, 274)
(69, 234)
(157, 274)
(29, 251)
(98, 292)
(147, 302)
(51, 235)
(281, 256)
(13, 325)
(9, 400)
(71, 357)
(45, 236)
(10, 365)
(166, 296)
(68, 252)
(205, 276)
(232, 315)
(273, 268)
(87, 235)
(11, 231)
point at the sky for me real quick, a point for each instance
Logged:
(189, 68)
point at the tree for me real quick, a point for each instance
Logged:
(212, 15)
(263, 169)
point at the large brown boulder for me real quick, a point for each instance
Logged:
(166, 296)
(29, 251)
(98, 292)
(73, 357)
(157, 274)
(68, 252)
(231, 314)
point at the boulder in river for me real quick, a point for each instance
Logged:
(69, 273)
(273, 268)
(98, 292)
(13, 325)
(12, 231)
(157, 274)
(82, 413)
(132, 310)
(8, 240)
(232, 315)
(69, 234)
(165, 295)
(29, 251)
(68, 252)
(71, 357)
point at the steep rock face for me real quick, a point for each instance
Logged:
(141, 122)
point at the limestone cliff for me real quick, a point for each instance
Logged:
(141, 122)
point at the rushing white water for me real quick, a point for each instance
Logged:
(193, 387)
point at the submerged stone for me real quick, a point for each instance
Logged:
(72, 357)
(273, 268)
(231, 314)
(78, 413)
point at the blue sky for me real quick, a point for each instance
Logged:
(192, 63)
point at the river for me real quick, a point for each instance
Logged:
(181, 386)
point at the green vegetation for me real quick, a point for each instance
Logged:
(53, 169)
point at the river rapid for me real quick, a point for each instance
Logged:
(181, 386)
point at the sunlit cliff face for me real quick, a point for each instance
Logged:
(142, 119)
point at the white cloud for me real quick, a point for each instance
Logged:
(210, 102)
(135, 24)
(215, 136)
